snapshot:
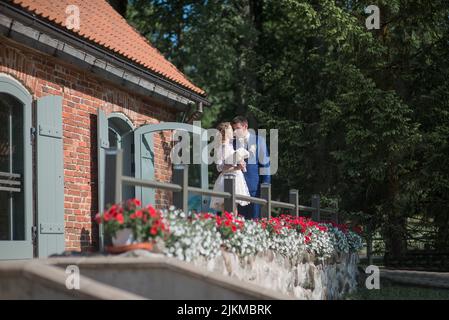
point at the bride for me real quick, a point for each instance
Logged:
(227, 160)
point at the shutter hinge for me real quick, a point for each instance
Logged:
(32, 133)
(34, 235)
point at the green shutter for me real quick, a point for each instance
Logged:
(102, 145)
(50, 176)
(21, 249)
(144, 162)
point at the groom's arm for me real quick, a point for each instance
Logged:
(264, 161)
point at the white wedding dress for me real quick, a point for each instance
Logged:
(227, 155)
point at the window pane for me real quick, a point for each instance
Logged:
(4, 167)
(4, 136)
(11, 162)
(4, 216)
(18, 209)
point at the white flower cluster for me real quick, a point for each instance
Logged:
(355, 241)
(287, 242)
(195, 236)
(250, 240)
(319, 243)
(191, 238)
(338, 239)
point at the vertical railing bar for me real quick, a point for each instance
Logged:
(229, 186)
(294, 199)
(265, 193)
(180, 177)
(316, 205)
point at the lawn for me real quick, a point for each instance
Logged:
(392, 291)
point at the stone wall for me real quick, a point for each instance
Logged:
(303, 278)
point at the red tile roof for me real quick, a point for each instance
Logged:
(100, 23)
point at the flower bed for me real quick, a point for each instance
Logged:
(205, 234)
(293, 255)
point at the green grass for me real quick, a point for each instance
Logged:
(391, 291)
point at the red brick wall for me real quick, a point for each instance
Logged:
(83, 94)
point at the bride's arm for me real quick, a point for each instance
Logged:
(224, 166)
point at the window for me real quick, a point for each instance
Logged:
(121, 136)
(12, 213)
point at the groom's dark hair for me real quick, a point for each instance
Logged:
(239, 119)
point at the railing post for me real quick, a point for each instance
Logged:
(229, 186)
(294, 199)
(265, 193)
(181, 178)
(335, 215)
(316, 205)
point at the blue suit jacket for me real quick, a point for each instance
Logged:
(257, 172)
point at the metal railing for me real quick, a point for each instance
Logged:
(10, 182)
(181, 190)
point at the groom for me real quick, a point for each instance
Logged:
(252, 167)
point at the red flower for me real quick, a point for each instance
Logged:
(106, 216)
(133, 203)
(113, 210)
(358, 229)
(234, 228)
(152, 211)
(98, 218)
(322, 228)
(120, 218)
(229, 215)
(153, 231)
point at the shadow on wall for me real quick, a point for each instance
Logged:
(85, 241)
(93, 183)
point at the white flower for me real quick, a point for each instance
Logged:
(198, 236)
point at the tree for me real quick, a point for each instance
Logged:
(363, 115)
(120, 6)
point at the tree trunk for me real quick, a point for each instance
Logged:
(395, 228)
(247, 50)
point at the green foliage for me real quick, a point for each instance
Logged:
(392, 291)
(363, 116)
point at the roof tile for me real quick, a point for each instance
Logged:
(100, 23)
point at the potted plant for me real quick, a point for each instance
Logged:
(132, 226)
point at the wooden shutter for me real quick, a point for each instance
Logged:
(50, 176)
(102, 145)
(144, 165)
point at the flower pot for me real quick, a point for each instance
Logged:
(123, 237)
(129, 247)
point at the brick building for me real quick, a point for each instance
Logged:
(66, 94)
